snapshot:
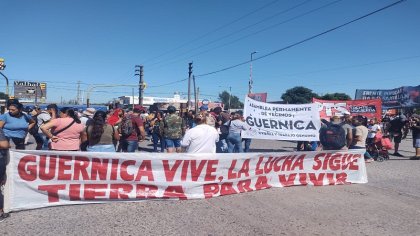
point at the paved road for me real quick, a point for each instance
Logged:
(388, 205)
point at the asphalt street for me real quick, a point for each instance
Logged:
(389, 204)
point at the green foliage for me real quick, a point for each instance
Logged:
(298, 95)
(234, 101)
(3, 95)
(336, 96)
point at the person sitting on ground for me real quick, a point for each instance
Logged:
(4, 147)
(100, 135)
(200, 139)
(16, 124)
(64, 132)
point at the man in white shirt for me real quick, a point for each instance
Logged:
(200, 139)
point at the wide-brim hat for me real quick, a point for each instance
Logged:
(89, 112)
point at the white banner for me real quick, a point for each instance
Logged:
(45, 178)
(298, 122)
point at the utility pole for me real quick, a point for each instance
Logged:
(78, 93)
(195, 97)
(250, 74)
(141, 83)
(190, 67)
(230, 95)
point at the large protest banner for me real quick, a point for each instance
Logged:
(48, 178)
(370, 108)
(402, 97)
(281, 121)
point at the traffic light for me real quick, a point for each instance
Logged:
(42, 86)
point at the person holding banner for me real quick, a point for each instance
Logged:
(4, 146)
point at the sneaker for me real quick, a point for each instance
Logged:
(397, 154)
(3, 216)
(415, 158)
(369, 160)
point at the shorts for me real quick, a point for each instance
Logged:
(397, 137)
(416, 143)
(171, 143)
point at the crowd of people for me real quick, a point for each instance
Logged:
(359, 132)
(207, 131)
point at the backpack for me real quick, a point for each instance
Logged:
(333, 136)
(126, 126)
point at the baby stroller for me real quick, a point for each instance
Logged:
(379, 147)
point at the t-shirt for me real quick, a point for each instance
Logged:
(362, 132)
(236, 126)
(41, 119)
(69, 139)
(373, 130)
(15, 127)
(106, 137)
(137, 121)
(201, 139)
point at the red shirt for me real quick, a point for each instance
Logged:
(137, 122)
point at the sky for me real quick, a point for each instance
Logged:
(99, 42)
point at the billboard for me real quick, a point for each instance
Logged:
(261, 97)
(27, 91)
(402, 97)
(369, 108)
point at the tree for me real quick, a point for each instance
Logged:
(3, 95)
(336, 96)
(234, 101)
(298, 95)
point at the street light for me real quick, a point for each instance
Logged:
(250, 74)
(2, 66)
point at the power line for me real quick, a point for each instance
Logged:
(305, 40)
(213, 31)
(240, 30)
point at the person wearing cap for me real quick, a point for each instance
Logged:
(173, 128)
(200, 139)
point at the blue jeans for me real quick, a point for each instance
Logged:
(158, 138)
(234, 142)
(221, 146)
(247, 144)
(101, 148)
(173, 143)
(129, 145)
(366, 155)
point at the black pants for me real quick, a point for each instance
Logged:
(19, 142)
(2, 174)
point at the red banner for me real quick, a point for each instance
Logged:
(369, 108)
